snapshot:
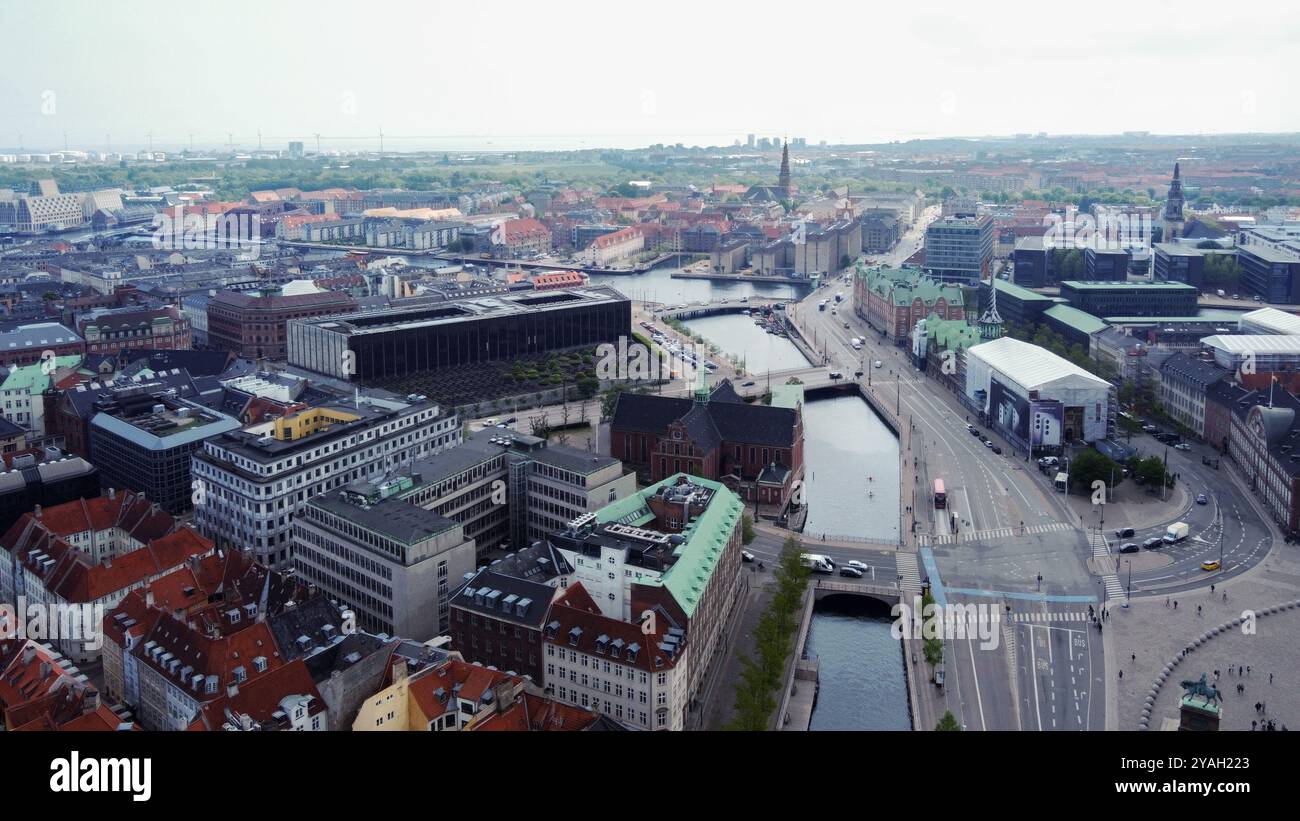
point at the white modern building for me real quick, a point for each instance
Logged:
(1257, 353)
(1270, 321)
(250, 483)
(1036, 398)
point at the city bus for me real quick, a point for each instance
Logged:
(940, 497)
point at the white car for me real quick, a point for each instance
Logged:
(1182, 446)
(746, 556)
(859, 565)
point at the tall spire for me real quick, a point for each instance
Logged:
(991, 321)
(1173, 222)
(783, 181)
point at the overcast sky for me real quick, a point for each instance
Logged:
(576, 73)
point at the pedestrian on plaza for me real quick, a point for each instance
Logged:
(1166, 601)
(1247, 670)
(1121, 674)
(1198, 610)
(1135, 657)
(1270, 678)
(1175, 604)
(1258, 706)
(1253, 725)
(1225, 597)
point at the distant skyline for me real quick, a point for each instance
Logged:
(507, 76)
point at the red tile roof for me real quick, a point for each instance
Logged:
(73, 578)
(261, 697)
(538, 713)
(576, 609)
(131, 512)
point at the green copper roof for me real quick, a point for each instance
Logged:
(951, 334)
(706, 536)
(903, 285)
(787, 396)
(1074, 318)
(32, 378)
(1019, 292)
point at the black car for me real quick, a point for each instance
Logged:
(997, 450)
(850, 572)
(1129, 547)
(1124, 533)
(1153, 542)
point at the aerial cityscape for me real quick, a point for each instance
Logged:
(633, 406)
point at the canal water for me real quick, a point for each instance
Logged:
(862, 684)
(851, 475)
(657, 285)
(762, 351)
(850, 471)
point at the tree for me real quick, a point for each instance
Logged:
(948, 723)
(1091, 466)
(746, 529)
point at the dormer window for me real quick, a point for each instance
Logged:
(615, 648)
(601, 641)
(632, 650)
(574, 636)
(551, 629)
(259, 664)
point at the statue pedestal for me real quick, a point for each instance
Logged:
(1199, 714)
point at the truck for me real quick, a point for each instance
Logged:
(821, 306)
(856, 343)
(1176, 532)
(817, 563)
(1062, 481)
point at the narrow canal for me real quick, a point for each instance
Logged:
(657, 285)
(851, 471)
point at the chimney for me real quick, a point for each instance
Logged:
(45, 669)
(29, 654)
(148, 599)
(112, 493)
(36, 511)
(232, 690)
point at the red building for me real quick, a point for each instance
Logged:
(149, 329)
(253, 323)
(755, 450)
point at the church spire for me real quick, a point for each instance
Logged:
(783, 181)
(991, 321)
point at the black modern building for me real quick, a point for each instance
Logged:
(1131, 298)
(1032, 263)
(1271, 273)
(1105, 264)
(30, 483)
(1017, 305)
(1174, 262)
(144, 442)
(452, 333)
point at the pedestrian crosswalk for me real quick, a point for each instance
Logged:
(1114, 590)
(1048, 618)
(911, 573)
(927, 540)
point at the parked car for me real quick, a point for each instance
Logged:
(747, 384)
(997, 450)
(850, 572)
(1201, 499)
(1129, 547)
(1182, 446)
(746, 556)
(1124, 533)
(988, 443)
(836, 375)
